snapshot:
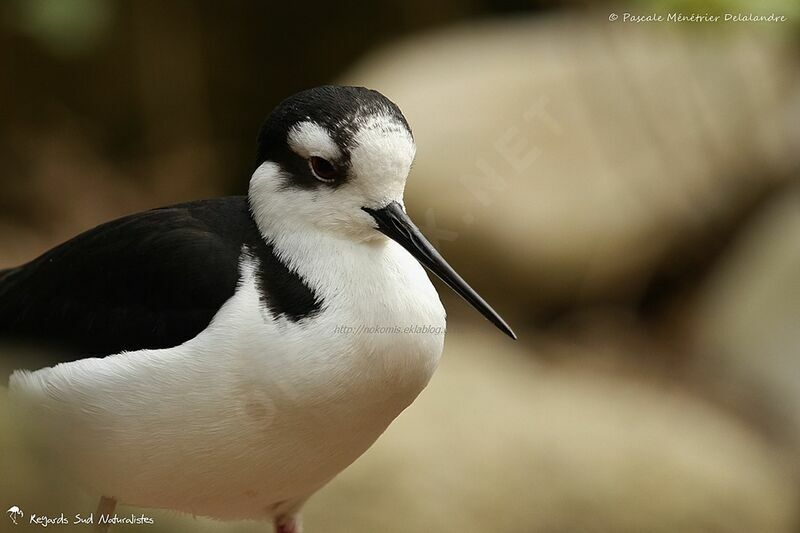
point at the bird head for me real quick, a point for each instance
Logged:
(336, 159)
(325, 153)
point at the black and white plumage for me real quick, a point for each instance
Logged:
(221, 382)
(149, 280)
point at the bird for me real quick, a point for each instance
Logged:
(229, 357)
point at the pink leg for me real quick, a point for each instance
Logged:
(106, 507)
(288, 524)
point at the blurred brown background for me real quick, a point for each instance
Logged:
(625, 194)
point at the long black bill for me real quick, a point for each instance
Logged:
(395, 224)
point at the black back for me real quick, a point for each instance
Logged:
(150, 280)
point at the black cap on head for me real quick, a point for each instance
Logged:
(337, 108)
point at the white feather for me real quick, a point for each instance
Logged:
(310, 139)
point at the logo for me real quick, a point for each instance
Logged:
(15, 512)
(16, 515)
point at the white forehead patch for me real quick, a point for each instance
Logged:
(383, 152)
(309, 139)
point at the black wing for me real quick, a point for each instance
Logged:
(149, 280)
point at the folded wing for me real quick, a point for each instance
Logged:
(150, 280)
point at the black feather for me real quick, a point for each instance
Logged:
(150, 280)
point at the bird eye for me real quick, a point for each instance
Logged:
(322, 169)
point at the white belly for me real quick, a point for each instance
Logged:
(251, 414)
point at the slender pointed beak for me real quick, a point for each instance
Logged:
(395, 224)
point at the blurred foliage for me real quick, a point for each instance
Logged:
(64, 27)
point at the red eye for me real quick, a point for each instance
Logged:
(323, 169)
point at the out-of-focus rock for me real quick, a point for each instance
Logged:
(498, 443)
(748, 321)
(566, 158)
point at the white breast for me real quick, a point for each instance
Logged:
(253, 412)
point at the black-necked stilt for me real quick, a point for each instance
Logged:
(260, 344)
